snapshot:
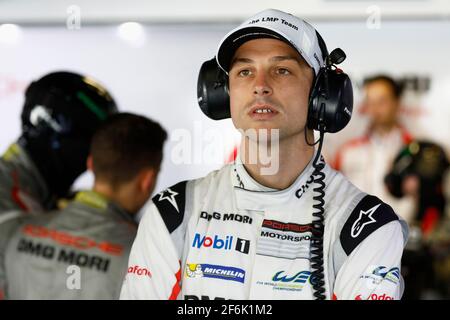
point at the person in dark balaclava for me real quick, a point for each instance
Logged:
(61, 112)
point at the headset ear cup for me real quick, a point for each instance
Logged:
(313, 108)
(344, 109)
(331, 101)
(212, 91)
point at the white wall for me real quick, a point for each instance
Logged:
(159, 78)
(101, 11)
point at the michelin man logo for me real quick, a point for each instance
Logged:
(194, 270)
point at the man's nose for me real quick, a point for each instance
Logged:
(262, 87)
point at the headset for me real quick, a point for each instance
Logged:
(330, 101)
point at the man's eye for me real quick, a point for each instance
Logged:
(244, 73)
(283, 71)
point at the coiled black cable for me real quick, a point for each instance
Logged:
(317, 276)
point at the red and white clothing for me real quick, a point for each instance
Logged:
(366, 160)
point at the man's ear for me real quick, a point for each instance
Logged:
(148, 179)
(90, 163)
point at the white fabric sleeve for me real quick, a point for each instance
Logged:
(154, 265)
(372, 271)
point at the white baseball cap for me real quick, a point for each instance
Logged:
(276, 24)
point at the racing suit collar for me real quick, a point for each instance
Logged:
(251, 195)
(244, 180)
(102, 204)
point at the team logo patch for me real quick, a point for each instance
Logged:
(369, 214)
(375, 296)
(284, 240)
(169, 195)
(197, 270)
(140, 271)
(216, 242)
(242, 245)
(226, 217)
(375, 275)
(392, 274)
(289, 282)
(365, 218)
(221, 243)
(171, 205)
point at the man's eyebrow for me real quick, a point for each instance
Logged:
(273, 59)
(283, 58)
(241, 60)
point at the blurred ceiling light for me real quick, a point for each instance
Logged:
(132, 33)
(10, 34)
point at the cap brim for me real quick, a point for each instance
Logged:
(234, 40)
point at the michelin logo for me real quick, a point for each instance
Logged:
(196, 270)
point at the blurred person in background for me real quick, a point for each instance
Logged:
(366, 160)
(421, 171)
(81, 251)
(59, 116)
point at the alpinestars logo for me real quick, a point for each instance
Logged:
(169, 195)
(365, 218)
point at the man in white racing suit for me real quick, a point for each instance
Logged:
(241, 234)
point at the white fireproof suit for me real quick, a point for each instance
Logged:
(225, 236)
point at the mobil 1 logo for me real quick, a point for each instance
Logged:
(217, 242)
(242, 245)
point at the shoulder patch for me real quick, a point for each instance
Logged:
(370, 214)
(171, 204)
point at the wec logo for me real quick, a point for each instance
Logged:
(284, 281)
(299, 277)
